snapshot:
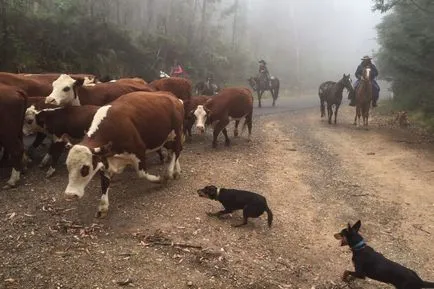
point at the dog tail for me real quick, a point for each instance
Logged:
(270, 216)
(426, 284)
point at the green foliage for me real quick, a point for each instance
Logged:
(106, 37)
(406, 36)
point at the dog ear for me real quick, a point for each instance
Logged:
(357, 225)
(349, 227)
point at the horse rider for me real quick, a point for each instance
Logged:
(366, 62)
(263, 70)
(176, 70)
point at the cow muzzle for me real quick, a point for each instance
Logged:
(51, 100)
(200, 129)
(73, 193)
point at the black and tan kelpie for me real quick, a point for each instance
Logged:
(371, 264)
(252, 204)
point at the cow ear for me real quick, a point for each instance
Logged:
(79, 82)
(102, 150)
(67, 139)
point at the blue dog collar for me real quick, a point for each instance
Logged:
(359, 246)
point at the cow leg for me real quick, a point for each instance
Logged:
(142, 171)
(45, 160)
(227, 141)
(249, 124)
(36, 143)
(221, 124)
(237, 122)
(104, 202)
(16, 151)
(160, 154)
(55, 151)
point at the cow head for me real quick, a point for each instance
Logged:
(201, 114)
(64, 91)
(83, 163)
(30, 126)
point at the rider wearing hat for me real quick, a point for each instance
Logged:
(264, 70)
(366, 62)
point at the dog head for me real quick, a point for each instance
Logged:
(350, 236)
(210, 192)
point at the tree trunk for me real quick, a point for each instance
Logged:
(203, 21)
(235, 24)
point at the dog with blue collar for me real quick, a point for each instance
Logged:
(371, 264)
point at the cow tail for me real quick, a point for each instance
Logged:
(270, 216)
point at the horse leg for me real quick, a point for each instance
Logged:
(322, 107)
(260, 92)
(330, 112)
(355, 118)
(273, 95)
(336, 112)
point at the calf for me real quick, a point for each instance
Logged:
(189, 108)
(57, 121)
(180, 87)
(67, 90)
(12, 108)
(230, 104)
(121, 134)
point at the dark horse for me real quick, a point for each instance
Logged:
(260, 85)
(363, 97)
(330, 92)
(206, 88)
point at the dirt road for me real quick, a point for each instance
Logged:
(316, 178)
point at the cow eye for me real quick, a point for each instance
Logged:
(84, 171)
(66, 89)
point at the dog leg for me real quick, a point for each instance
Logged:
(349, 276)
(219, 213)
(242, 224)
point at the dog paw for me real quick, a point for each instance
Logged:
(210, 214)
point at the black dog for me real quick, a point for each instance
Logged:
(252, 204)
(371, 264)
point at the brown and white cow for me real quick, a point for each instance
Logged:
(57, 121)
(190, 106)
(180, 87)
(12, 109)
(31, 87)
(228, 105)
(89, 79)
(67, 90)
(121, 134)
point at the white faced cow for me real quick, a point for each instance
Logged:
(121, 134)
(70, 91)
(230, 104)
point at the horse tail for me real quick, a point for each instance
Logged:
(277, 88)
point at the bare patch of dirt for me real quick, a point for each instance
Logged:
(316, 178)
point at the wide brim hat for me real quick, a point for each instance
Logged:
(262, 61)
(366, 57)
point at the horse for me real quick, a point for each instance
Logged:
(323, 88)
(363, 97)
(260, 85)
(331, 92)
(206, 88)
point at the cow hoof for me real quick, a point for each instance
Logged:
(50, 172)
(214, 145)
(176, 176)
(9, 186)
(227, 143)
(101, 214)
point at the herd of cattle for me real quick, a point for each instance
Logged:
(112, 124)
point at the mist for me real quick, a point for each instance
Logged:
(311, 40)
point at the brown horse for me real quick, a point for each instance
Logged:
(364, 97)
(330, 92)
